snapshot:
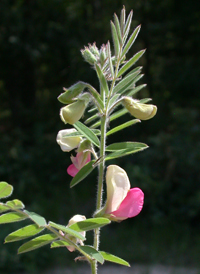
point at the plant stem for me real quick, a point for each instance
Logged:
(100, 187)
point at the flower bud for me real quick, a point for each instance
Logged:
(73, 112)
(93, 48)
(73, 220)
(139, 110)
(67, 143)
(88, 56)
(72, 92)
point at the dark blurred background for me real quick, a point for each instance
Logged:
(40, 44)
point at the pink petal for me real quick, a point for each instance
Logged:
(131, 205)
(72, 170)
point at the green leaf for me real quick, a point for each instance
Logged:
(117, 26)
(95, 95)
(123, 149)
(77, 133)
(39, 220)
(60, 243)
(90, 224)
(122, 20)
(15, 204)
(131, 40)
(37, 243)
(112, 100)
(93, 253)
(90, 119)
(110, 60)
(126, 82)
(135, 90)
(114, 259)
(131, 85)
(12, 217)
(118, 114)
(23, 233)
(127, 26)
(87, 132)
(67, 230)
(131, 62)
(115, 39)
(122, 126)
(125, 145)
(102, 79)
(5, 190)
(83, 173)
(3, 208)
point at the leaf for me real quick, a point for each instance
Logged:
(112, 100)
(102, 79)
(114, 259)
(5, 190)
(118, 114)
(131, 40)
(95, 95)
(83, 173)
(36, 218)
(67, 230)
(127, 26)
(110, 60)
(60, 243)
(23, 233)
(131, 85)
(90, 224)
(122, 126)
(15, 204)
(93, 253)
(117, 26)
(135, 90)
(12, 217)
(87, 132)
(3, 208)
(115, 39)
(125, 145)
(90, 119)
(120, 152)
(37, 243)
(77, 133)
(131, 62)
(126, 82)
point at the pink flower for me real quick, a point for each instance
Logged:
(122, 202)
(81, 159)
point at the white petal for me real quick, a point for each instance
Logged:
(118, 186)
(67, 143)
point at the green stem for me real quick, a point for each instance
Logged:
(100, 187)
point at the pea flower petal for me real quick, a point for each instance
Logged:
(122, 202)
(68, 143)
(81, 159)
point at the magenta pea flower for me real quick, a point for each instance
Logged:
(122, 201)
(81, 159)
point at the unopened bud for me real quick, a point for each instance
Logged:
(88, 56)
(73, 112)
(139, 110)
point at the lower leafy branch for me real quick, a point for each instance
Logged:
(70, 236)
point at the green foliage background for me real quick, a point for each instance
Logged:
(40, 44)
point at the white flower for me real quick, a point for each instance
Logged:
(68, 143)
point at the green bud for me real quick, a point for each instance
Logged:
(139, 110)
(93, 48)
(70, 93)
(73, 112)
(88, 56)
